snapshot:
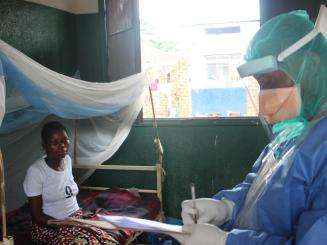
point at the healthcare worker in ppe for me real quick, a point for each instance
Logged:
(284, 199)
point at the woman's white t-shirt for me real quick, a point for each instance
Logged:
(58, 188)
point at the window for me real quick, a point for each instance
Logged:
(191, 50)
(218, 71)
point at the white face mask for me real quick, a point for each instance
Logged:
(279, 104)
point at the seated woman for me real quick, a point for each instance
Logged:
(51, 190)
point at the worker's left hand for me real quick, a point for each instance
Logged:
(198, 234)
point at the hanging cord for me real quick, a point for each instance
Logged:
(75, 142)
(157, 142)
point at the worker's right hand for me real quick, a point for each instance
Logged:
(207, 210)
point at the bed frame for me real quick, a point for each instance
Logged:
(157, 169)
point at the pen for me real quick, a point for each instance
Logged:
(193, 201)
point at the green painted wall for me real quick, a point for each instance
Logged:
(91, 45)
(59, 40)
(45, 34)
(214, 154)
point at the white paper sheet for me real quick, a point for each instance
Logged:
(140, 224)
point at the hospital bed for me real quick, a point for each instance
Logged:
(142, 203)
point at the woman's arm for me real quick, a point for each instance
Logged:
(36, 210)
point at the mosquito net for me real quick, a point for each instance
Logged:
(31, 94)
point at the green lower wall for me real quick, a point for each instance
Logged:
(214, 154)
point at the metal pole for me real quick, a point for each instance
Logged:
(2, 198)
